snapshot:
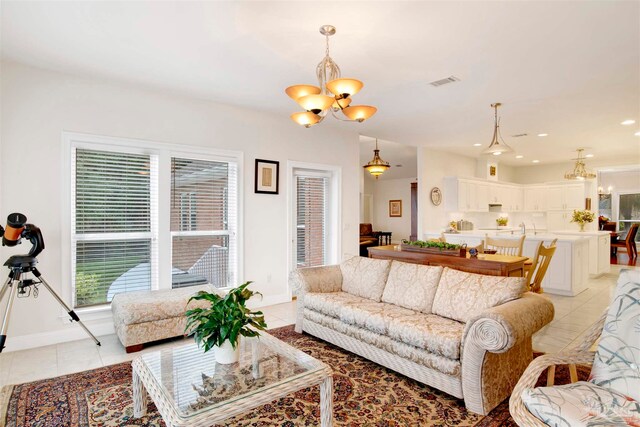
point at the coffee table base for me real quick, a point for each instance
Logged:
(172, 419)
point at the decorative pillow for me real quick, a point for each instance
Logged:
(462, 295)
(617, 362)
(412, 286)
(365, 277)
(581, 404)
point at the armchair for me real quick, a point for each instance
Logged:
(368, 238)
(612, 394)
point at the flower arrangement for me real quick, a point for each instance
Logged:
(502, 221)
(583, 217)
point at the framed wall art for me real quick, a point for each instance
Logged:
(267, 176)
(395, 208)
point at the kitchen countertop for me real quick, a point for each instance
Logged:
(544, 235)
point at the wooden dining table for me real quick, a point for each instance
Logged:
(490, 264)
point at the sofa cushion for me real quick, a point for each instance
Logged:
(330, 303)
(617, 361)
(412, 286)
(148, 306)
(374, 316)
(365, 277)
(581, 404)
(435, 334)
(462, 295)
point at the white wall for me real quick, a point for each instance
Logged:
(38, 105)
(392, 189)
(555, 172)
(433, 166)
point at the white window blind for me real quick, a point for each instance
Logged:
(113, 224)
(203, 222)
(311, 219)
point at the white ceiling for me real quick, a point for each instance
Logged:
(570, 69)
(402, 158)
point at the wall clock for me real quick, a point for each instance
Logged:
(436, 196)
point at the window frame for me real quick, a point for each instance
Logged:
(164, 153)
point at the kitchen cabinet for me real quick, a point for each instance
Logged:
(565, 197)
(469, 195)
(569, 268)
(604, 253)
(534, 199)
(513, 200)
(560, 221)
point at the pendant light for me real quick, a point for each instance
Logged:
(376, 166)
(496, 147)
(331, 96)
(579, 171)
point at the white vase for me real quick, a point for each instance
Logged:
(226, 354)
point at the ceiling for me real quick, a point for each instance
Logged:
(567, 68)
(402, 158)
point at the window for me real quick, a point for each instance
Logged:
(628, 211)
(113, 231)
(201, 232)
(126, 196)
(311, 219)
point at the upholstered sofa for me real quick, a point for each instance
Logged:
(466, 334)
(368, 238)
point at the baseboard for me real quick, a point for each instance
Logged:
(72, 333)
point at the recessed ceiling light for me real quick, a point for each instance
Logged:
(535, 161)
(628, 122)
(519, 156)
(543, 134)
(477, 145)
(637, 133)
(588, 156)
(497, 153)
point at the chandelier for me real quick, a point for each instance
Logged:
(376, 166)
(496, 147)
(333, 94)
(579, 171)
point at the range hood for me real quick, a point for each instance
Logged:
(495, 207)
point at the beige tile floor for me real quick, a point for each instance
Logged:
(573, 317)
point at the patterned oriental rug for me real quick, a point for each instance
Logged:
(365, 394)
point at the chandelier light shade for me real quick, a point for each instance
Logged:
(579, 171)
(377, 166)
(331, 96)
(497, 146)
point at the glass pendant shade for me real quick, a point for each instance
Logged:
(344, 87)
(341, 104)
(315, 103)
(306, 119)
(298, 91)
(376, 166)
(496, 147)
(359, 113)
(579, 171)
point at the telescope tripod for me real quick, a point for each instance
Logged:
(16, 286)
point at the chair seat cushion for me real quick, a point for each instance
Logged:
(331, 303)
(412, 286)
(374, 316)
(148, 306)
(437, 335)
(581, 404)
(462, 295)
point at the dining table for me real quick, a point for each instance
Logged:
(490, 264)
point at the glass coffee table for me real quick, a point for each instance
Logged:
(190, 389)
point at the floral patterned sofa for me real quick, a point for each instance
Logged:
(466, 334)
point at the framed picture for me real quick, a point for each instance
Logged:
(395, 208)
(267, 176)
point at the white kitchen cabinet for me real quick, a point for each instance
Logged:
(565, 197)
(534, 199)
(482, 197)
(467, 195)
(513, 199)
(463, 196)
(568, 269)
(604, 253)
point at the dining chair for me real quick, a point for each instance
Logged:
(629, 242)
(539, 265)
(505, 246)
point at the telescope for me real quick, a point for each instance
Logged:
(17, 229)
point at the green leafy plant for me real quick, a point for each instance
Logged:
(226, 319)
(502, 221)
(583, 217)
(430, 244)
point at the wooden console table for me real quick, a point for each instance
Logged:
(494, 265)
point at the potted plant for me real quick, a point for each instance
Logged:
(221, 325)
(582, 217)
(502, 221)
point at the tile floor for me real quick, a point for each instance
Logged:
(573, 317)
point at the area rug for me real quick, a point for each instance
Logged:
(365, 394)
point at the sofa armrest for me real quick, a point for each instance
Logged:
(500, 328)
(326, 278)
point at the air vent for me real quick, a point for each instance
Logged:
(520, 135)
(451, 79)
(398, 166)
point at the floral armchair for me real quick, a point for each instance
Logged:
(611, 396)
